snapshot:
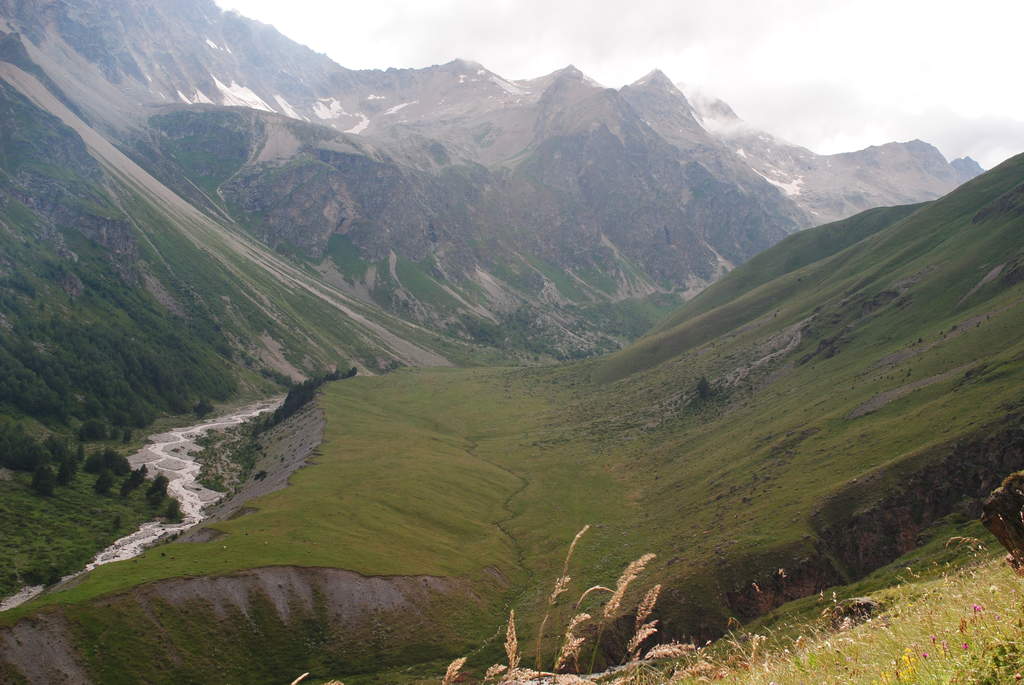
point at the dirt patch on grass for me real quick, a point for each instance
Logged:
(349, 598)
(271, 353)
(40, 649)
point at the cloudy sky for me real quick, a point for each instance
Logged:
(833, 75)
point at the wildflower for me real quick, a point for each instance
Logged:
(933, 639)
(965, 646)
(978, 608)
(924, 655)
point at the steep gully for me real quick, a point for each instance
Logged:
(169, 454)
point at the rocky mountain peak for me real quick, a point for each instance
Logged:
(712, 112)
(464, 64)
(572, 73)
(966, 168)
(656, 79)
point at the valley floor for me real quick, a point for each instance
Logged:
(791, 430)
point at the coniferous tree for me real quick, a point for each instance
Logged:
(94, 463)
(704, 389)
(104, 482)
(66, 472)
(116, 462)
(203, 408)
(43, 480)
(158, 490)
(57, 448)
(137, 477)
(92, 429)
(173, 510)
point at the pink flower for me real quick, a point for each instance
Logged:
(978, 608)
(965, 646)
(924, 655)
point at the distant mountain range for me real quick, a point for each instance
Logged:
(550, 217)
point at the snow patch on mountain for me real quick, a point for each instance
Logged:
(399, 108)
(240, 96)
(286, 107)
(329, 108)
(791, 187)
(509, 88)
(217, 47)
(361, 126)
(371, 96)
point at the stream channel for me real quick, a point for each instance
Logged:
(169, 454)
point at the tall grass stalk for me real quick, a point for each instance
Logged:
(561, 585)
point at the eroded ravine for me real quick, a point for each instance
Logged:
(170, 454)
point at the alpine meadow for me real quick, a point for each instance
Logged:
(311, 374)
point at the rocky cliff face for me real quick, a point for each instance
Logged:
(555, 199)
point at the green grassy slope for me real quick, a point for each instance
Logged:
(853, 402)
(918, 241)
(121, 303)
(796, 251)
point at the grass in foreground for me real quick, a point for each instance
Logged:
(962, 627)
(954, 614)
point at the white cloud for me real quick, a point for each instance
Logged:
(821, 73)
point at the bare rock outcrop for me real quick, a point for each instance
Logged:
(1002, 514)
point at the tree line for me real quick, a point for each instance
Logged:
(301, 394)
(53, 463)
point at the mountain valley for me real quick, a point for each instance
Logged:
(562, 306)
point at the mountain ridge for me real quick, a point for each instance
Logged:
(572, 213)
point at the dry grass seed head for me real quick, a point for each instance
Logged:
(643, 611)
(572, 548)
(561, 585)
(495, 670)
(522, 675)
(571, 644)
(512, 643)
(453, 671)
(570, 652)
(641, 635)
(570, 679)
(634, 569)
(669, 650)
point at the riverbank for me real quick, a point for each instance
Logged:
(171, 454)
